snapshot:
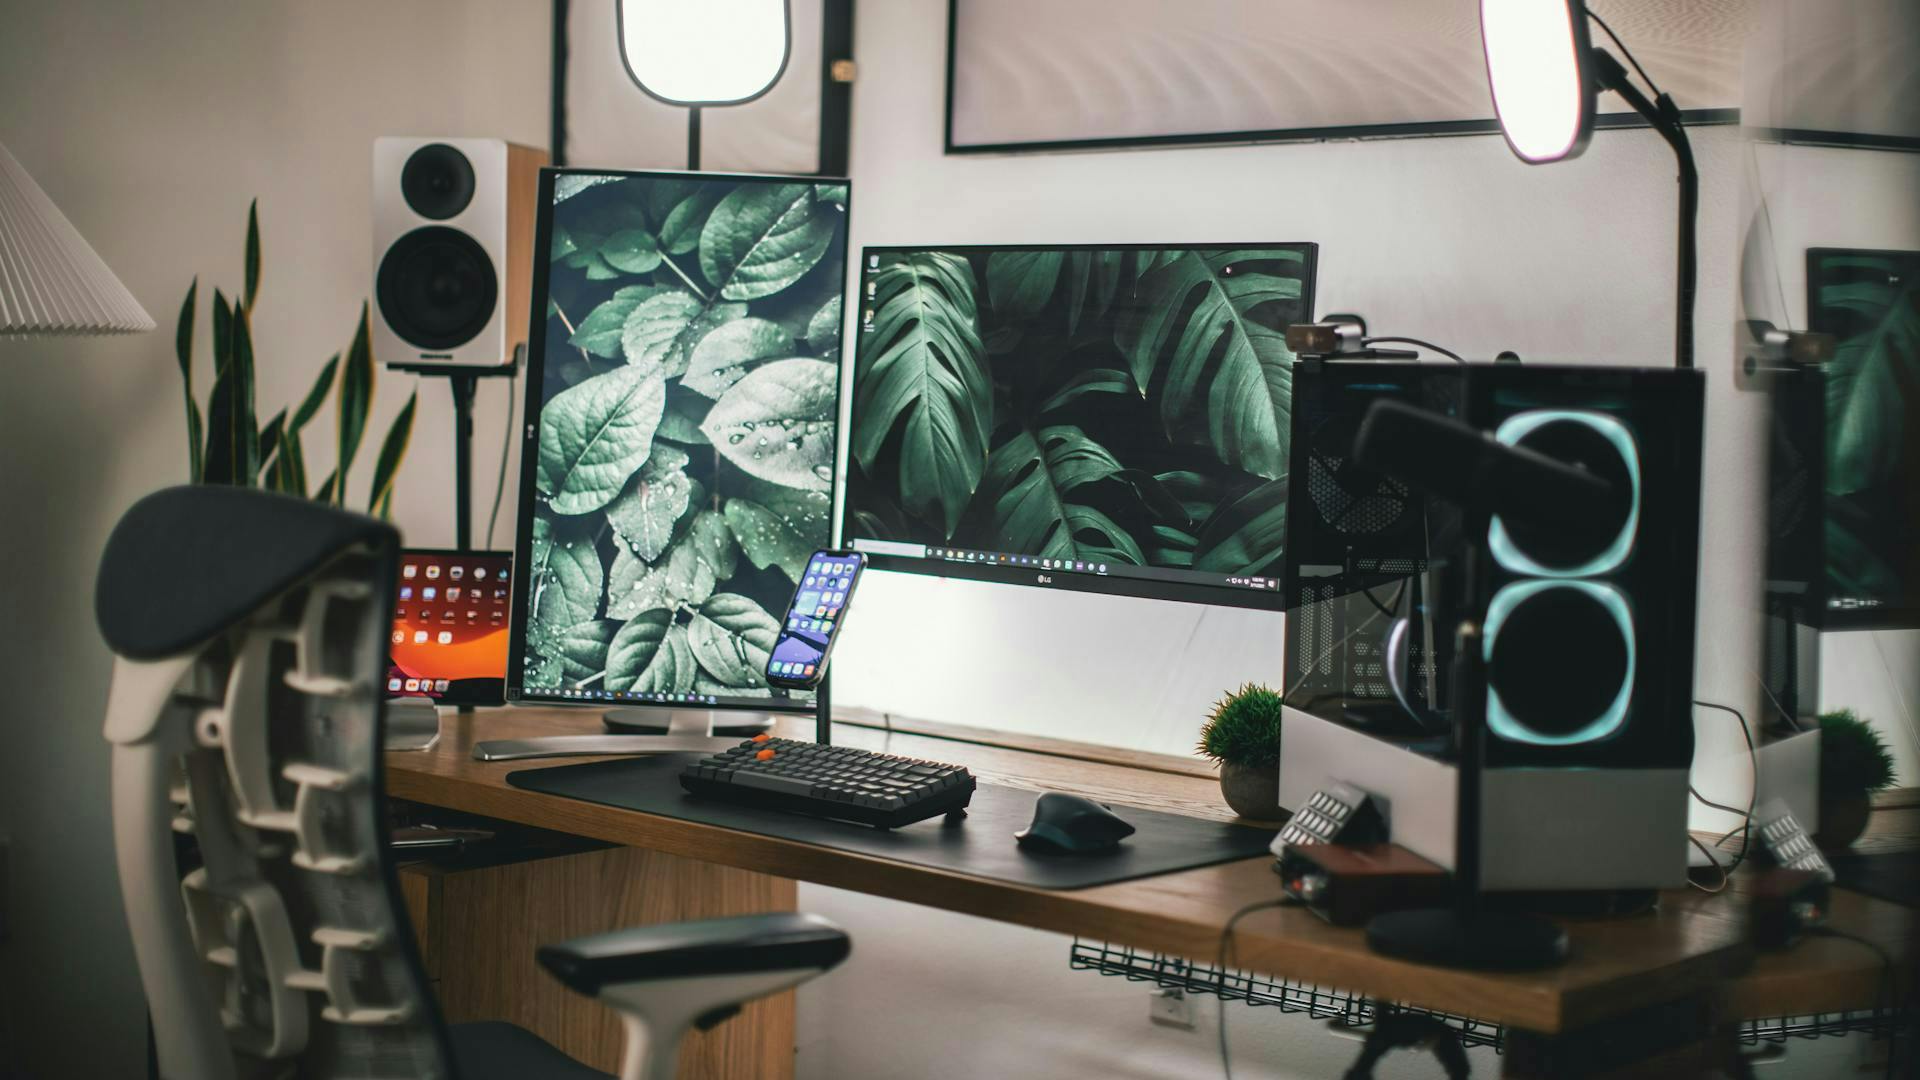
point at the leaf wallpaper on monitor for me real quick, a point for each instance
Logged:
(1115, 405)
(1871, 302)
(687, 428)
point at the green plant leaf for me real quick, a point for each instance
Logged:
(325, 492)
(711, 541)
(1246, 534)
(780, 526)
(290, 465)
(1099, 271)
(1873, 384)
(722, 357)
(356, 397)
(594, 435)
(222, 335)
(183, 352)
(1090, 381)
(778, 422)
(269, 439)
(823, 329)
(927, 370)
(582, 649)
(836, 194)
(562, 244)
(631, 251)
(662, 330)
(1030, 478)
(566, 578)
(762, 238)
(221, 453)
(732, 637)
(680, 232)
(655, 500)
(245, 435)
(634, 647)
(682, 578)
(566, 187)
(1249, 388)
(682, 420)
(1019, 283)
(253, 256)
(316, 396)
(393, 450)
(600, 332)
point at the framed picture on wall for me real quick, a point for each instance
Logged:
(601, 119)
(1086, 74)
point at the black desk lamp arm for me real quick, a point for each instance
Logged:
(1664, 117)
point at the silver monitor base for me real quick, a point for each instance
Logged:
(412, 724)
(742, 723)
(682, 731)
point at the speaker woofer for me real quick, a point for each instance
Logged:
(1560, 662)
(1603, 446)
(437, 181)
(437, 288)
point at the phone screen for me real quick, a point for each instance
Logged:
(799, 656)
(450, 626)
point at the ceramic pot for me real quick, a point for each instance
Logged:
(1842, 821)
(1252, 792)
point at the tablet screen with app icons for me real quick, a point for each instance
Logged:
(449, 641)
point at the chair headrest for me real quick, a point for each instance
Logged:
(186, 563)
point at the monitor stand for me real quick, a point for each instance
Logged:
(732, 722)
(411, 724)
(684, 731)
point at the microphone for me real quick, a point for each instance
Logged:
(1465, 465)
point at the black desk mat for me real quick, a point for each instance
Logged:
(1893, 876)
(982, 845)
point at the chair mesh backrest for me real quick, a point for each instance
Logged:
(293, 909)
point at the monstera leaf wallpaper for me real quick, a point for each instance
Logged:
(686, 428)
(1870, 301)
(1118, 405)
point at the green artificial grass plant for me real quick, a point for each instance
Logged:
(1244, 729)
(1853, 758)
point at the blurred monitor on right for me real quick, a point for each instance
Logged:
(1846, 448)
(1094, 418)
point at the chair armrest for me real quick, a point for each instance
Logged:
(782, 941)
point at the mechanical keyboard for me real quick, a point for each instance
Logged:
(883, 790)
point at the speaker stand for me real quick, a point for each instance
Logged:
(464, 382)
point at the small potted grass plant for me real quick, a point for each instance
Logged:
(1854, 763)
(1242, 737)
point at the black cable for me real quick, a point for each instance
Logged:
(1428, 345)
(1753, 794)
(1622, 46)
(1220, 973)
(506, 446)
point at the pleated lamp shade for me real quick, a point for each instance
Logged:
(51, 282)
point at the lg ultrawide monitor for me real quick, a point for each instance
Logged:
(1107, 419)
(678, 464)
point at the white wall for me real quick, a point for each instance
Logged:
(151, 125)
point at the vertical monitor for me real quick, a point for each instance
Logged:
(1101, 418)
(678, 464)
(1865, 435)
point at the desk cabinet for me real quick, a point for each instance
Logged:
(479, 923)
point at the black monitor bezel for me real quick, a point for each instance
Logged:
(530, 437)
(1034, 577)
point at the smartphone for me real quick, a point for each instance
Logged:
(799, 657)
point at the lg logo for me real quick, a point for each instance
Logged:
(1043, 579)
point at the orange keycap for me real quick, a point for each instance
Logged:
(762, 737)
(765, 755)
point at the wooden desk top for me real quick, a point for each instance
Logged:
(1690, 940)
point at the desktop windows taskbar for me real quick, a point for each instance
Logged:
(1082, 575)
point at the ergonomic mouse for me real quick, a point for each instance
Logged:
(1070, 825)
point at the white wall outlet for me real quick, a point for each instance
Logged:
(1171, 1008)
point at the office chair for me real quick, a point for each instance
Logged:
(245, 712)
